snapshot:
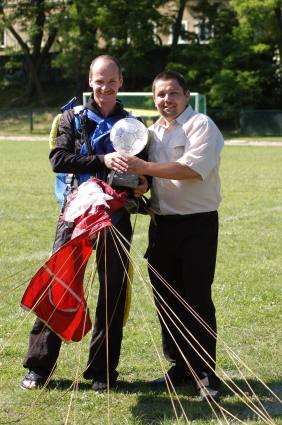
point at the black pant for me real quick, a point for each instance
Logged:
(183, 251)
(44, 345)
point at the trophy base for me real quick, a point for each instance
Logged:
(125, 180)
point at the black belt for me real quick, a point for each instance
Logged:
(183, 217)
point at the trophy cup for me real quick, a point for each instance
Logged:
(129, 137)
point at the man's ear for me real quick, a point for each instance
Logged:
(187, 95)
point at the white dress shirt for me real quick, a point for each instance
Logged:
(194, 140)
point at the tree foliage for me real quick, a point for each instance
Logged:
(239, 66)
(125, 29)
(77, 43)
(235, 59)
(261, 30)
(34, 25)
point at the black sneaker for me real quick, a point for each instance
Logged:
(100, 386)
(174, 376)
(208, 387)
(32, 381)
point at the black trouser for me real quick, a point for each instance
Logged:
(183, 251)
(44, 345)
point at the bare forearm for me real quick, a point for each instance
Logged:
(167, 170)
(170, 170)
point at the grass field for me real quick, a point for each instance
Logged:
(39, 123)
(247, 294)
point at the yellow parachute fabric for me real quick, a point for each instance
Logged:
(53, 131)
(128, 293)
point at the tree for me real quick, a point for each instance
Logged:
(198, 60)
(261, 21)
(260, 26)
(122, 28)
(177, 25)
(238, 66)
(34, 25)
(78, 42)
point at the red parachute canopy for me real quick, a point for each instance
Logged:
(55, 293)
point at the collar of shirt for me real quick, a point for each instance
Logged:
(181, 119)
(118, 109)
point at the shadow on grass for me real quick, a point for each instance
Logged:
(67, 384)
(154, 405)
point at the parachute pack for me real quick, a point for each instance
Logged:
(72, 104)
(64, 180)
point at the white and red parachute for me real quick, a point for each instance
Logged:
(55, 293)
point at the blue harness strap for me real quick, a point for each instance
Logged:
(99, 146)
(99, 138)
(60, 187)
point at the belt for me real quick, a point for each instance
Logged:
(183, 217)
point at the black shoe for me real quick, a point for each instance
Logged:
(100, 386)
(32, 381)
(208, 387)
(174, 376)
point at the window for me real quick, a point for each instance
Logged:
(184, 27)
(203, 30)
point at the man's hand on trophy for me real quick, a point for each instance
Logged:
(116, 162)
(136, 165)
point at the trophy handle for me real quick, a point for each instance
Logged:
(110, 177)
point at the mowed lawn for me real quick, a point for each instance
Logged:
(247, 293)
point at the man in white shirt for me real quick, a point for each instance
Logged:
(184, 156)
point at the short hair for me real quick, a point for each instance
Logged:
(171, 75)
(106, 57)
